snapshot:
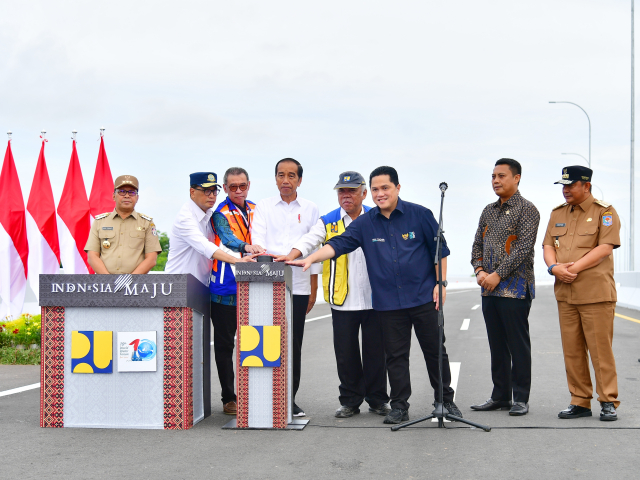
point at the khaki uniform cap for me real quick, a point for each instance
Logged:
(124, 180)
(123, 243)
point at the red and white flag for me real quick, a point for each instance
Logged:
(14, 247)
(74, 220)
(42, 229)
(101, 198)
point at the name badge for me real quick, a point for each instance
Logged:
(377, 239)
(561, 224)
(107, 228)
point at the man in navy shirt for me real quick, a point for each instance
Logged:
(397, 239)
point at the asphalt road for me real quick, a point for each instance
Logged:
(538, 445)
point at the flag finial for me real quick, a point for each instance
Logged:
(102, 129)
(74, 132)
(9, 133)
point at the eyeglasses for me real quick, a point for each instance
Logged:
(208, 191)
(242, 187)
(124, 193)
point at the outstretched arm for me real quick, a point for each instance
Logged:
(325, 253)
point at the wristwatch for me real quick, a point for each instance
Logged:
(551, 268)
(444, 284)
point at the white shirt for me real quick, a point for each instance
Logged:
(359, 297)
(191, 243)
(277, 225)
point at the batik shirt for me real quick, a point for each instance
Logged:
(504, 243)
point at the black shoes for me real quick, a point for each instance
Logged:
(346, 412)
(382, 409)
(297, 411)
(519, 409)
(574, 411)
(493, 405)
(453, 409)
(608, 413)
(397, 415)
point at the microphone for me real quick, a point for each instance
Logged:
(443, 186)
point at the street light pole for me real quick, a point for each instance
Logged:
(588, 119)
(632, 166)
(581, 156)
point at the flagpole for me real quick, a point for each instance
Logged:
(9, 133)
(102, 129)
(73, 133)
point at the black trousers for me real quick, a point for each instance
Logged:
(507, 321)
(397, 343)
(360, 378)
(223, 318)
(300, 304)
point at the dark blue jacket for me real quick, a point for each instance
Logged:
(399, 251)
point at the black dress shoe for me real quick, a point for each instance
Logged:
(608, 413)
(574, 411)
(518, 409)
(491, 404)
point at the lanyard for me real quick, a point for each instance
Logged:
(246, 221)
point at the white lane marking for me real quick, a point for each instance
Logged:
(475, 307)
(465, 324)
(455, 374)
(19, 389)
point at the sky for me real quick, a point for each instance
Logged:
(438, 90)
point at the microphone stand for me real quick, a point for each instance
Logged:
(440, 412)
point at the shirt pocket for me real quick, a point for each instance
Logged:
(136, 239)
(587, 237)
(560, 234)
(106, 234)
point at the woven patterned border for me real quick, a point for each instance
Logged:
(280, 373)
(242, 377)
(178, 368)
(52, 368)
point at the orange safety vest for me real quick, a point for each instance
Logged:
(223, 281)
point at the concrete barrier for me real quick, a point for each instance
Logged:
(628, 287)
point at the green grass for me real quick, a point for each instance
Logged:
(13, 356)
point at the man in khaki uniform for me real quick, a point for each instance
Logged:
(123, 241)
(578, 247)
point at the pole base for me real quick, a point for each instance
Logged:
(440, 413)
(295, 424)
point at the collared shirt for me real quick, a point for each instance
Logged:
(505, 243)
(359, 297)
(399, 251)
(123, 242)
(191, 244)
(277, 225)
(574, 232)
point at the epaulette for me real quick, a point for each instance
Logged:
(102, 215)
(146, 217)
(602, 203)
(560, 206)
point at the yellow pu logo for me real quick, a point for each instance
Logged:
(259, 346)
